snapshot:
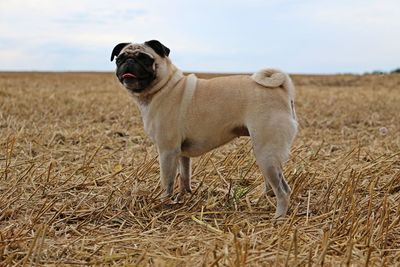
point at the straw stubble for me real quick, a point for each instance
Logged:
(79, 181)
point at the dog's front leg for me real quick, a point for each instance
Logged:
(168, 169)
(186, 172)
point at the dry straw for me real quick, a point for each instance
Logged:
(79, 181)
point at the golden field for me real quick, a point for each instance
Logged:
(79, 181)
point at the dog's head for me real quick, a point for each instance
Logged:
(139, 66)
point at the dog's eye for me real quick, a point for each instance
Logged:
(118, 60)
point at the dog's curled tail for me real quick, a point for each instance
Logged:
(274, 78)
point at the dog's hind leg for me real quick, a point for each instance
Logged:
(272, 171)
(270, 192)
(271, 145)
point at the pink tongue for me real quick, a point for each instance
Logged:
(128, 75)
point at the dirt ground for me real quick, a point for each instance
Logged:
(79, 181)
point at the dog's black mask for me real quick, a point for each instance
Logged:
(135, 70)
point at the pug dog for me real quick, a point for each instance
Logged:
(186, 117)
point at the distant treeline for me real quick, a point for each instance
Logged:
(395, 71)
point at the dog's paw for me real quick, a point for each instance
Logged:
(166, 199)
(270, 193)
(181, 197)
(279, 220)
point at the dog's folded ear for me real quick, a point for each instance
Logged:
(117, 49)
(158, 47)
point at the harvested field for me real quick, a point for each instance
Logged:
(79, 181)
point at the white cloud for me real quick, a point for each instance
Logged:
(226, 35)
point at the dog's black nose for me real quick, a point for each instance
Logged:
(130, 60)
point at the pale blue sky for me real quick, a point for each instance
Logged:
(209, 36)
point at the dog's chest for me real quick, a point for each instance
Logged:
(149, 124)
(162, 127)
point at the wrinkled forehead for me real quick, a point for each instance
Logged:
(137, 48)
